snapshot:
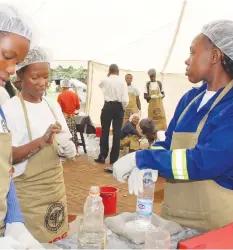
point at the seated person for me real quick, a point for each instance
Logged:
(130, 135)
(148, 129)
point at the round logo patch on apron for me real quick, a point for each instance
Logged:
(156, 111)
(55, 217)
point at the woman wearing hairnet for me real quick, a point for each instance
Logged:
(39, 179)
(15, 40)
(197, 155)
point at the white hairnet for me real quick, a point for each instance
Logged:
(133, 116)
(65, 83)
(152, 72)
(35, 55)
(220, 32)
(14, 21)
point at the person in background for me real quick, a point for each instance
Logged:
(153, 94)
(70, 105)
(116, 100)
(17, 84)
(10, 89)
(148, 129)
(196, 157)
(38, 177)
(130, 135)
(134, 105)
(15, 39)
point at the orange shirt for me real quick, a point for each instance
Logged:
(69, 102)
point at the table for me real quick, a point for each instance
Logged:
(84, 125)
(116, 242)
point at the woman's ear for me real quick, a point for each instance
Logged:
(216, 55)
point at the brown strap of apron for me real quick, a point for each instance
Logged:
(186, 109)
(54, 114)
(26, 115)
(218, 99)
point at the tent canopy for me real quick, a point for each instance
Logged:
(135, 34)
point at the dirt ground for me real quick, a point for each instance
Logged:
(80, 175)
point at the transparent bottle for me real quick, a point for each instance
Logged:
(93, 234)
(145, 204)
(92, 148)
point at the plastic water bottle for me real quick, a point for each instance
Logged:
(145, 204)
(93, 148)
(92, 235)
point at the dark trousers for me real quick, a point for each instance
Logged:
(112, 112)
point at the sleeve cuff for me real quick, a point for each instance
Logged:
(140, 160)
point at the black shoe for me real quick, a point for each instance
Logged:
(100, 160)
(108, 170)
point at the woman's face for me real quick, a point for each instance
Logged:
(135, 120)
(13, 49)
(35, 79)
(200, 62)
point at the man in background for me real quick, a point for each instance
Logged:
(134, 106)
(116, 99)
(70, 105)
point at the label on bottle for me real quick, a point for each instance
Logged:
(144, 207)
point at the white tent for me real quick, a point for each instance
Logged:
(135, 34)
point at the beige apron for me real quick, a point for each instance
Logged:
(156, 111)
(5, 176)
(41, 193)
(197, 204)
(131, 108)
(131, 141)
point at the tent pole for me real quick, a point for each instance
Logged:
(174, 38)
(89, 87)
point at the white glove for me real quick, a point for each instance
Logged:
(9, 243)
(123, 167)
(160, 95)
(135, 182)
(126, 166)
(69, 151)
(19, 232)
(154, 96)
(62, 138)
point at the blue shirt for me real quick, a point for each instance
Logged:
(13, 210)
(128, 129)
(212, 157)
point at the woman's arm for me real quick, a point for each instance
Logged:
(24, 152)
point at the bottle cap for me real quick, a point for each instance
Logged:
(94, 190)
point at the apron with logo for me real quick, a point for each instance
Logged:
(131, 108)
(156, 111)
(197, 204)
(41, 192)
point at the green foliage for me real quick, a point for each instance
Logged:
(61, 73)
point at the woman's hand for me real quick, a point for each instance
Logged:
(49, 135)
